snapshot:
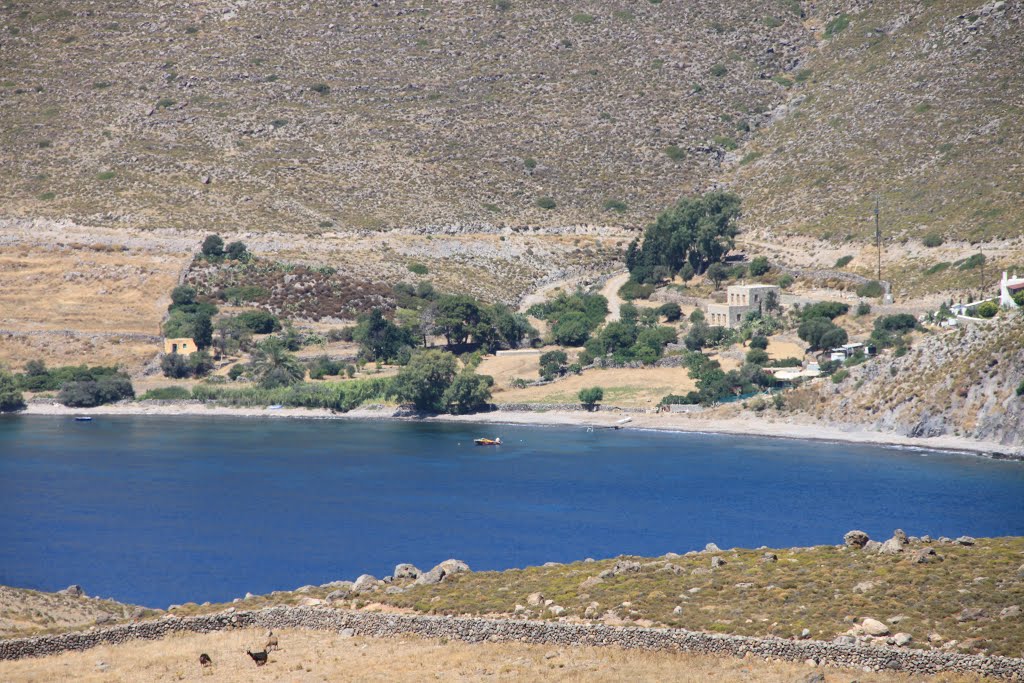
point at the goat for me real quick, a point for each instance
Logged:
(259, 657)
(205, 661)
(272, 643)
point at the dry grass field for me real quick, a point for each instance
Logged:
(641, 387)
(322, 656)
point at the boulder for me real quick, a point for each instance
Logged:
(965, 540)
(900, 536)
(394, 590)
(606, 574)
(406, 571)
(590, 582)
(872, 546)
(717, 562)
(844, 640)
(971, 614)
(556, 610)
(365, 583)
(817, 676)
(535, 599)
(672, 568)
(902, 639)
(625, 567)
(712, 548)
(873, 627)
(593, 611)
(926, 555)
(435, 575)
(1011, 612)
(454, 567)
(769, 557)
(891, 547)
(73, 590)
(856, 539)
(678, 610)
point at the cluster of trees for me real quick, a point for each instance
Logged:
(11, 398)
(432, 382)
(190, 317)
(817, 327)
(178, 366)
(95, 386)
(636, 336)
(714, 384)
(214, 249)
(573, 317)
(891, 330)
(686, 239)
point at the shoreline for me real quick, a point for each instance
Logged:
(658, 422)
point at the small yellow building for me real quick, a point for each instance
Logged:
(183, 346)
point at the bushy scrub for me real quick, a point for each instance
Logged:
(96, 390)
(167, 394)
(11, 398)
(871, 290)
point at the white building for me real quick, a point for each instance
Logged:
(1009, 286)
(739, 300)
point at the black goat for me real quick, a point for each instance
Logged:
(259, 657)
(205, 661)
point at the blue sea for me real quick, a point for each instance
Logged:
(161, 510)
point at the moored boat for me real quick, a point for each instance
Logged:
(487, 442)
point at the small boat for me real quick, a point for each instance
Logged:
(487, 442)
(83, 418)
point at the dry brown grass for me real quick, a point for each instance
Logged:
(504, 369)
(622, 387)
(322, 656)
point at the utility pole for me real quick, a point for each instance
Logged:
(982, 253)
(878, 240)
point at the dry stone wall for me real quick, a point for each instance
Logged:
(474, 630)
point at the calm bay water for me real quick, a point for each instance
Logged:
(156, 510)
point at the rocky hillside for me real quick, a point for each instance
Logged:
(961, 382)
(918, 102)
(299, 116)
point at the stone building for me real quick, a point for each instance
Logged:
(739, 300)
(183, 346)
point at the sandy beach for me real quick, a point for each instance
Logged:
(747, 424)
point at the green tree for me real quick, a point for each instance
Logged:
(258, 322)
(424, 381)
(571, 329)
(274, 366)
(717, 273)
(511, 327)
(468, 393)
(553, 364)
(687, 272)
(11, 398)
(670, 311)
(988, 309)
(458, 316)
(698, 231)
(589, 397)
(380, 339)
(213, 247)
(759, 266)
(237, 251)
(182, 295)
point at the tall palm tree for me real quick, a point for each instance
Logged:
(275, 366)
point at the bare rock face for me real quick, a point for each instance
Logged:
(454, 567)
(73, 590)
(873, 627)
(435, 575)
(856, 539)
(406, 571)
(365, 583)
(891, 547)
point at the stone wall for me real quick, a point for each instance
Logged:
(474, 630)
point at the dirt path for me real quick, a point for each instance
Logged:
(610, 291)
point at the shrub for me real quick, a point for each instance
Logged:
(839, 376)
(236, 371)
(725, 142)
(616, 205)
(784, 281)
(321, 88)
(863, 308)
(258, 322)
(88, 393)
(583, 18)
(824, 309)
(988, 309)
(675, 153)
(1020, 388)
(632, 289)
(937, 268)
(553, 364)
(546, 203)
(759, 266)
(530, 163)
(425, 380)
(590, 396)
(837, 25)
(899, 322)
(933, 239)
(759, 342)
(236, 251)
(11, 398)
(418, 268)
(167, 394)
(468, 393)
(106, 175)
(670, 311)
(972, 261)
(757, 356)
(719, 70)
(213, 247)
(843, 261)
(871, 290)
